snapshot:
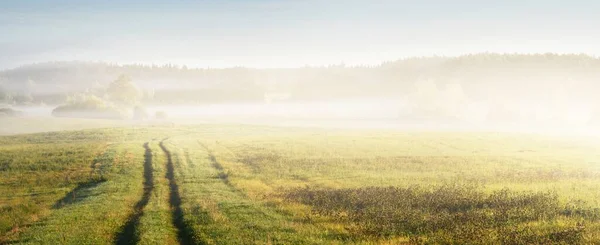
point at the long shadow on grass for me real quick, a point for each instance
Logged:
(78, 194)
(215, 164)
(184, 232)
(128, 234)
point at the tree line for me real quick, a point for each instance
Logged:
(430, 85)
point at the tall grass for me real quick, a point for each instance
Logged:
(450, 214)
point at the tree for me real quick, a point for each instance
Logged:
(123, 91)
(22, 98)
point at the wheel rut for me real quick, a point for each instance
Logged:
(128, 234)
(184, 232)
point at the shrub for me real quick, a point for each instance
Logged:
(89, 107)
(8, 112)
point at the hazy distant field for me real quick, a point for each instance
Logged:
(232, 184)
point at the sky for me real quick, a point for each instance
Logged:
(286, 33)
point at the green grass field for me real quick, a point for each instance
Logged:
(234, 184)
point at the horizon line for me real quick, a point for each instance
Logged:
(340, 64)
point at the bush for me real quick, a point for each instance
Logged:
(8, 112)
(89, 107)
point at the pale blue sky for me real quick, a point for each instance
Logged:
(269, 33)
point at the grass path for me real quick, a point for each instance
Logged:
(184, 234)
(156, 226)
(128, 233)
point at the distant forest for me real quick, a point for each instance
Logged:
(496, 80)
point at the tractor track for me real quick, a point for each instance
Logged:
(184, 232)
(128, 233)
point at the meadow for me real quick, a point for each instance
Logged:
(241, 184)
